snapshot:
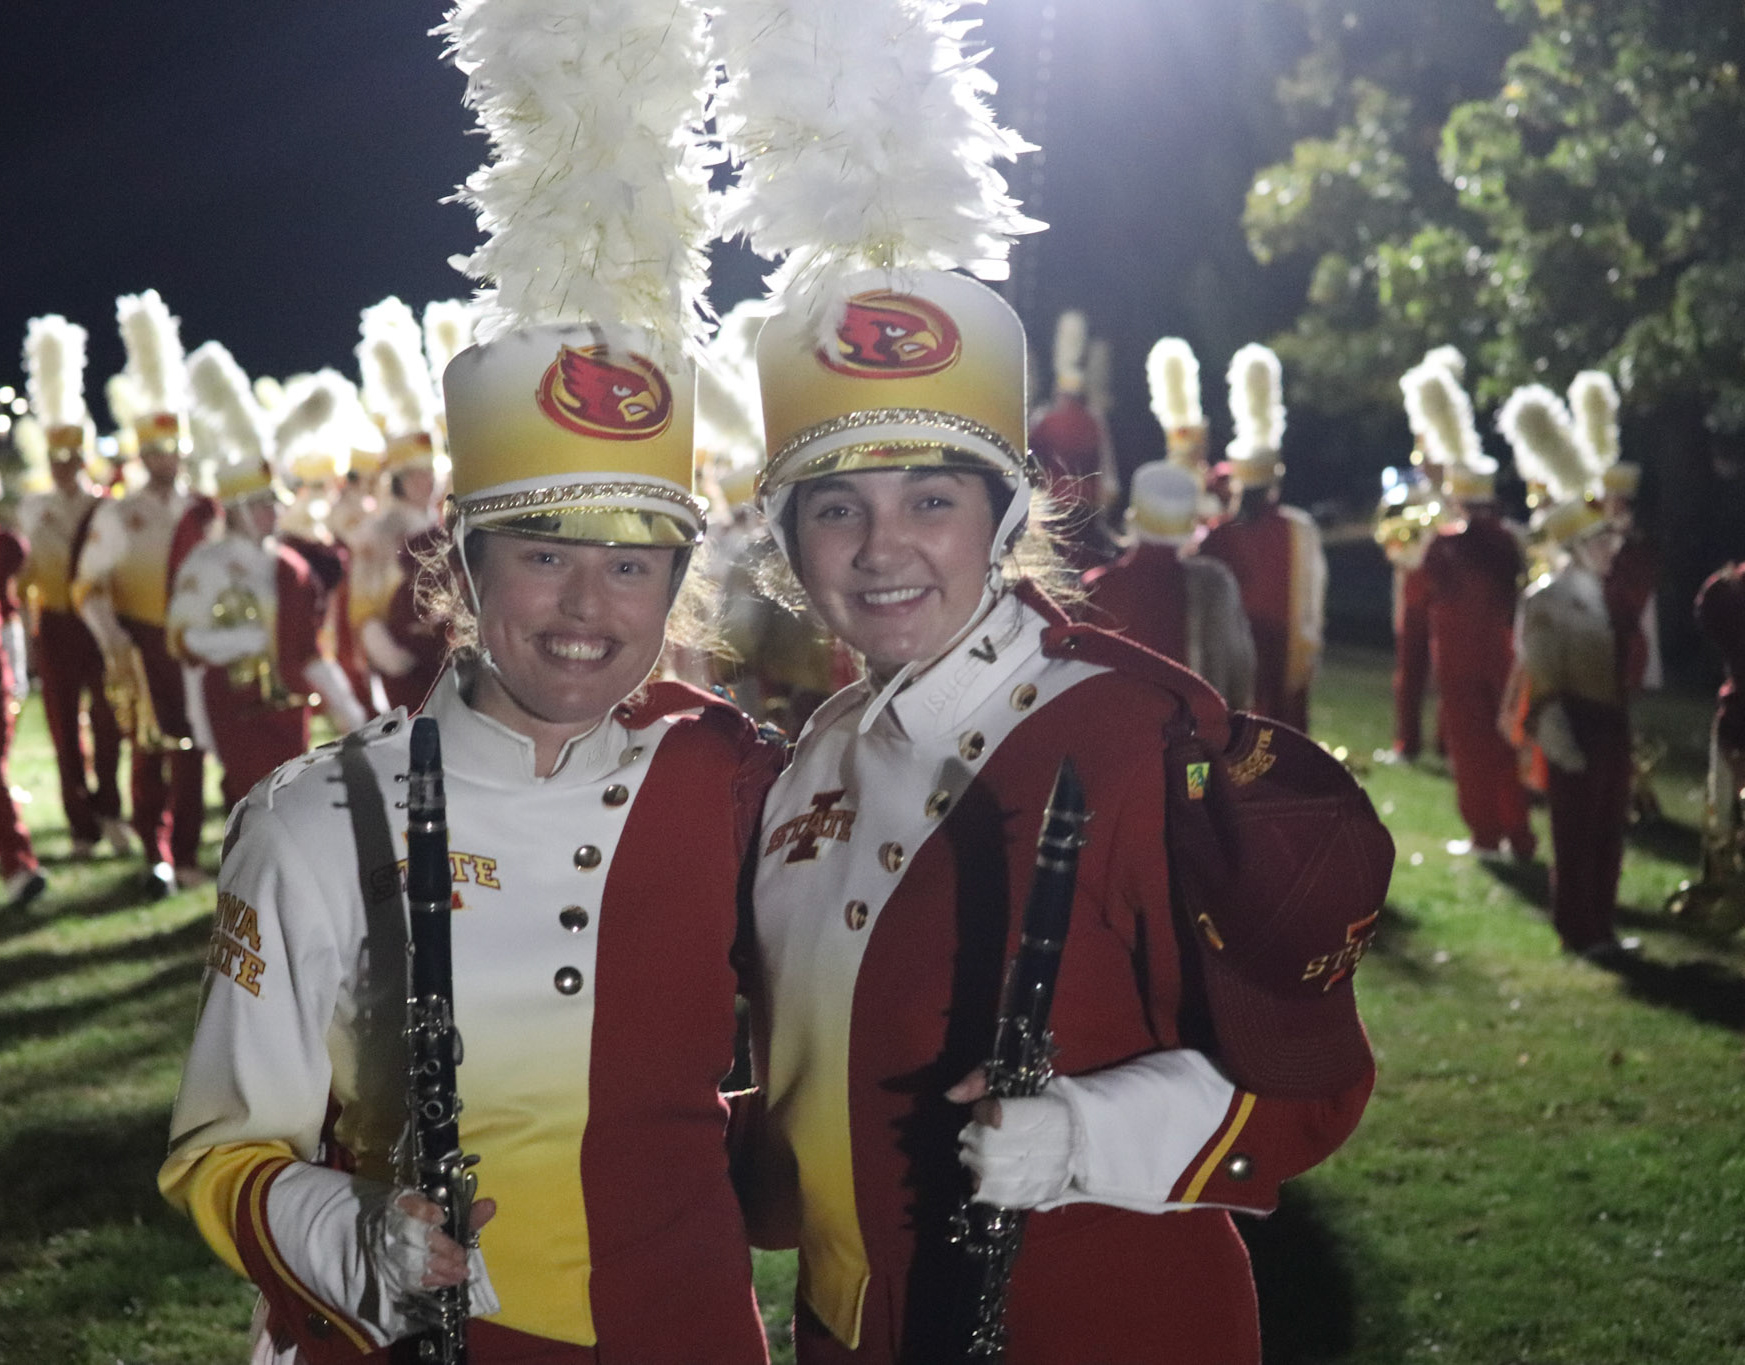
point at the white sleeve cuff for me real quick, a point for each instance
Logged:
(1139, 1128)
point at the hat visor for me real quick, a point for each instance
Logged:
(1303, 1047)
(866, 456)
(594, 525)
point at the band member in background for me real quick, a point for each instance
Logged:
(68, 663)
(1186, 607)
(596, 823)
(1576, 705)
(21, 879)
(1072, 445)
(1472, 571)
(1274, 550)
(121, 587)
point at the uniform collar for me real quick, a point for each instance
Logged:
(960, 681)
(489, 751)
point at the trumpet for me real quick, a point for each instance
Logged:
(128, 692)
(1410, 523)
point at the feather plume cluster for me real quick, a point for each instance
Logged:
(1071, 336)
(1172, 371)
(448, 330)
(595, 203)
(155, 360)
(1257, 401)
(30, 440)
(126, 406)
(865, 141)
(322, 413)
(1440, 413)
(390, 360)
(1448, 358)
(54, 369)
(1593, 399)
(1537, 426)
(224, 404)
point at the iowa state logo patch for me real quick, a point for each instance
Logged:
(893, 336)
(616, 398)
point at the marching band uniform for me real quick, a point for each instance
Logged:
(68, 663)
(121, 587)
(1185, 607)
(594, 982)
(23, 882)
(894, 854)
(1717, 897)
(1274, 550)
(1571, 674)
(1072, 445)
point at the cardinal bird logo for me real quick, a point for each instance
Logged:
(893, 336)
(617, 398)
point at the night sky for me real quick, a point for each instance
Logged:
(272, 168)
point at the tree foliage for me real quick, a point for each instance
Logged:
(1564, 191)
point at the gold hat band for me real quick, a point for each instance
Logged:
(791, 463)
(592, 512)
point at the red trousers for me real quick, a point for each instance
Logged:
(252, 737)
(1411, 661)
(169, 801)
(71, 669)
(1487, 779)
(1588, 812)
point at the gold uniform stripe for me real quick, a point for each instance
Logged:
(257, 1214)
(1192, 1194)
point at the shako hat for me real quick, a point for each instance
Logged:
(1537, 425)
(1257, 409)
(877, 354)
(1594, 403)
(1163, 504)
(571, 416)
(158, 370)
(1172, 373)
(54, 378)
(229, 426)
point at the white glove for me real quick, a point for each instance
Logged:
(1558, 740)
(327, 680)
(1028, 1159)
(348, 1241)
(222, 646)
(383, 651)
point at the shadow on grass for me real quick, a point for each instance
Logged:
(52, 1020)
(1706, 991)
(79, 1174)
(1530, 881)
(1307, 1284)
(1673, 841)
(182, 940)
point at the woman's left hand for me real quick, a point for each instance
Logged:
(1020, 1151)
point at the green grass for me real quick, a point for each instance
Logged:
(1550, 1170)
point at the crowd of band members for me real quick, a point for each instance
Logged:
(243, 556)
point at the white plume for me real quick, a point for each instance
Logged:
(1440, 414)
(30, 440)
(1173, 372)
(224, 403)
(1257, 404)
(729, 415)
(1450, 359)
(595, 201)
(1100, 376)
(390, 358)
(1593, 398)
(312, 402)
(155, 362)
(1071, 333)
(54, 368)
(865, 141)
(126, 406)
(1537, 426)
(448, 330)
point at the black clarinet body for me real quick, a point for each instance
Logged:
(432, 1159)
(1022, 1060)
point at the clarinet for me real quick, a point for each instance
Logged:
(1022, 1061)
(432, 1161)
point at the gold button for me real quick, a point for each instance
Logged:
(616, 795)
(630, 755)
(938, 804)
(855, 913)
(970, 744)
(1238, 1166)
(587, 858)
(891, 857)
(1023, 696)
(568, 981)
(573, 918)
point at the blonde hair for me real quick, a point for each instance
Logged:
(440, 594)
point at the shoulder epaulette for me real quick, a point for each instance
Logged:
(380, 729)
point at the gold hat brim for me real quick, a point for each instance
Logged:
(596, 513)
(876, 455)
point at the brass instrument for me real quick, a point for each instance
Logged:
(1716, 900)
(238, 606)
(128, 692)
(1406, 525)
(1645, 756)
